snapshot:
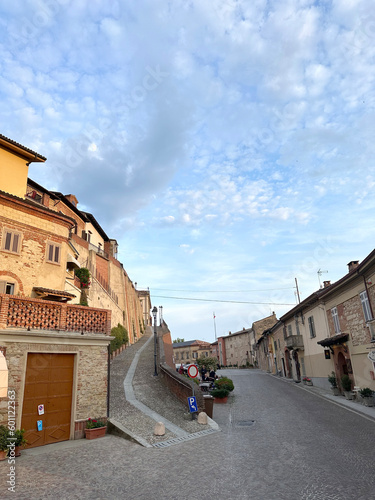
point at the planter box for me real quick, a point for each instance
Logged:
(335, 391)
(368, 401)
(221, 400)
(348, 395)
(95, 433)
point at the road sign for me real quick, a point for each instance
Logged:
(192, 371)
(192, 404)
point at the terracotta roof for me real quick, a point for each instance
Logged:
(340, 338)
(55, 293)
(16, 145)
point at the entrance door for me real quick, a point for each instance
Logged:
(49, 382)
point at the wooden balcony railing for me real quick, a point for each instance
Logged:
(36, 314)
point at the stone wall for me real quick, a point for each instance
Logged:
(181, 386)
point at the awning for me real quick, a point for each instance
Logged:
(338, 339)
(71, 260)
(56, 295)
(3, 376)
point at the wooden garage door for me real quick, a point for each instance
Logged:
(49, 382)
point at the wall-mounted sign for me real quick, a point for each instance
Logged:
(40, 409)
(39, 424)
(371, 356)
(327, 354)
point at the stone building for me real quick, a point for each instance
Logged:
(56, 349)
(189, 351)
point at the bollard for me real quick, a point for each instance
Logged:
(209, 405)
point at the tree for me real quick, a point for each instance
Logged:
(209, 363)
(178, 340)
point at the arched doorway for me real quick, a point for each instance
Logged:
(288, 372)
(342, 367)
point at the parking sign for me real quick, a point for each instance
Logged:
(192, 404)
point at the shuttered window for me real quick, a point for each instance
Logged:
(365, 305)
(11, 241)
(53, 253)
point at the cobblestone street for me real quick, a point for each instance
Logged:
(278, 440)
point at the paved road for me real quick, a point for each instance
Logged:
(278, 441)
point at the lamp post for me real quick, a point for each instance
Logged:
(155, 313)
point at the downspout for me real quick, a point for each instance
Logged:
(368, 297)
(108, 376)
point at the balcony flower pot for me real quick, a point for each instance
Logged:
(95, 428)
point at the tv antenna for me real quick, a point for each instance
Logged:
(319, 273)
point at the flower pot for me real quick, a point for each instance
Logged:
(368, 401)
(221, 400)
(309, 382)
(3, 455)
(97, 432)
(17, 451)
(348, 395)
(335, 391)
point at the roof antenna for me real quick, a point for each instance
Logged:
(319, 273)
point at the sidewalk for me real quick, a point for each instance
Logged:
(339, 400)
(138, 400)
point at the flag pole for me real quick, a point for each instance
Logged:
(215, 327)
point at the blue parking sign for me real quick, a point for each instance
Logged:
(192, 404)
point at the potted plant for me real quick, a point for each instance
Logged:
(333, 381)
(19, 441)
(4, 442)
(346, 384)
(220, 395)
(95, 428)
(224, 383)
(367, 396)
(307, 381)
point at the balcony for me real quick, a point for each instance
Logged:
(27, 313)
(294, 342)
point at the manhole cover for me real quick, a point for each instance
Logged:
(245, 423)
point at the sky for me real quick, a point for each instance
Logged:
(227, 145)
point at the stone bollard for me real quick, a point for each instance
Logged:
(159, 429)
(202, 418)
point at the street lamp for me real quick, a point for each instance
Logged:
(155, 313)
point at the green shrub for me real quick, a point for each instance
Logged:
(224, 383)
(366, 392)
(121, 337)
(346, 383)
(332, 379)
(220, 393)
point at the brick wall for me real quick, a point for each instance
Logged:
(180, 386)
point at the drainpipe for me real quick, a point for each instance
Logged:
(368, 296)
(108, 376)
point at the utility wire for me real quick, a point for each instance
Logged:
(214, 300)
(224, 291)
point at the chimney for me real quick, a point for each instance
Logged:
(326, 283)
(73, 200)
(353, 264)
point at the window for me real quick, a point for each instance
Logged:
(11, 241)
(6, 287)
(310, 321)
(335, 318)
(53, 253)
(365, 305)
(176, 355)
(290, 332)
(182, 355)
(275, 345)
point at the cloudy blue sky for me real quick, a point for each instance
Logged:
(228, 145)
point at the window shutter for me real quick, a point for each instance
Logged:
(15, 243)
(8, 237)
(50, 253)
(3, 285)
(57, 254)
